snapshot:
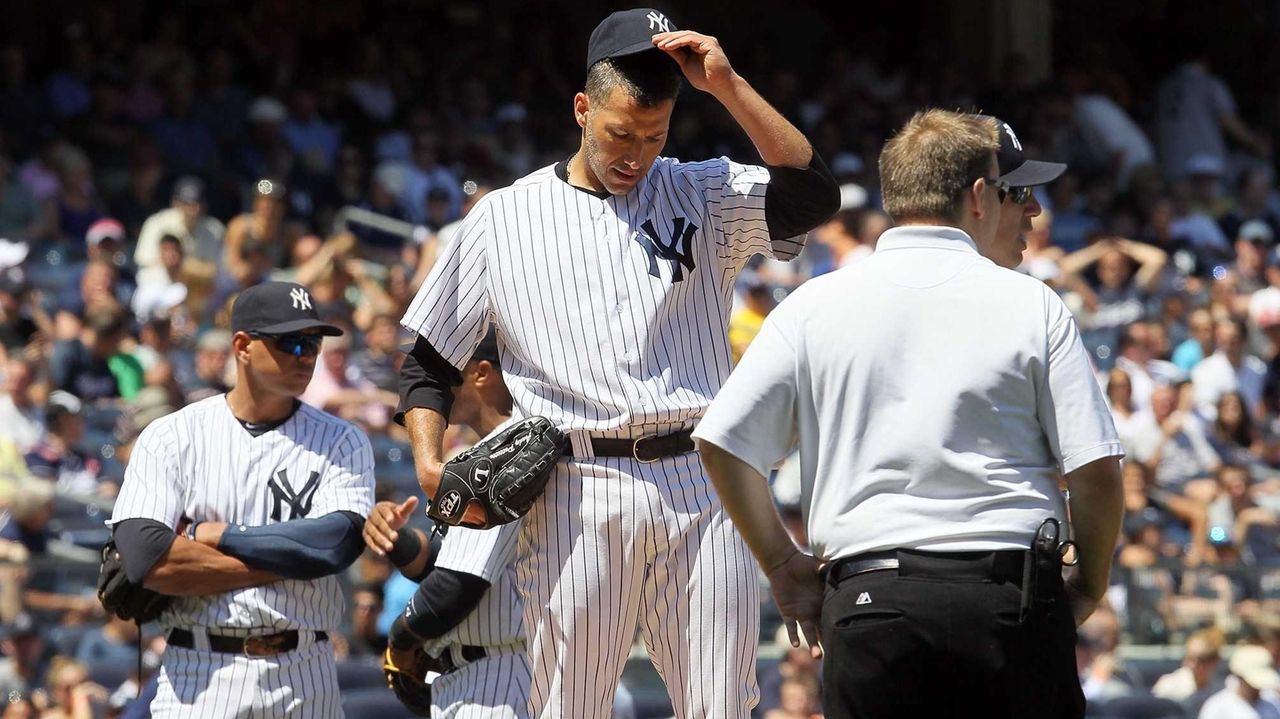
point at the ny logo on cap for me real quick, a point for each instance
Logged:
(658, 21)
(1012, 136)
(301, 300)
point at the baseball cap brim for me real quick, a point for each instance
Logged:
(1261, 678)
(1033, 172)
(284, 328)
(633, 49)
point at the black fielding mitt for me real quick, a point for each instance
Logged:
(123, 598)
(505, 474)
(410, 683)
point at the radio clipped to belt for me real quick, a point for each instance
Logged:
(1049, 552)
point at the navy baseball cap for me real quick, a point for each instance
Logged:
(488, 349)
(1015, 169)
(626, 32)
(277, 308)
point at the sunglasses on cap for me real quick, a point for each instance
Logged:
(297, 345)
(1020, 195)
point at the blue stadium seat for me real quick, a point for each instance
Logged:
(360, 674)
(1143, 706)
(377, 703)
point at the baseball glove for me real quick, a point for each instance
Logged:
(505, 473)
(121, 597)
(410, 683)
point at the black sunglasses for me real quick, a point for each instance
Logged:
(297, 345)
(1020, 195)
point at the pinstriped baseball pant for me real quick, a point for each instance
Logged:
(300, 684)
(496, 687)
(615, 545)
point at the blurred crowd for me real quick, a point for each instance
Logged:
(146, 179)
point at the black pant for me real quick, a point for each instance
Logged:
(940, 637)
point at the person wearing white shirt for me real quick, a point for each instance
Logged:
(938, 395)
(186, 219)
(1253, 673)
(1229, 369)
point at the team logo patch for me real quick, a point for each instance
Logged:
(301, 300)
(283, 494)
(449, 503)
(675, 250)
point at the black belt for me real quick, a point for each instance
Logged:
(261, 645)
(1005, 565)
(470, 653)
(642, 449)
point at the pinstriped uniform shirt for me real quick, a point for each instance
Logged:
(200, 462)
(611, 312)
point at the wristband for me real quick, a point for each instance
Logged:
(191, 531)
(406, 548)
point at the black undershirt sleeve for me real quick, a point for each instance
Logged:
(142, 543)
(426, 380)
(435, 541)
(797, 201)
(442, 601)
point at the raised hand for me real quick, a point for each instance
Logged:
(700, 57)
(382, 527)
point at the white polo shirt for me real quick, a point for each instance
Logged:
(935, 395)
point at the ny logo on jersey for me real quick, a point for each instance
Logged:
(299, 502)
(301, 300)
(676, 251)
(658, 21)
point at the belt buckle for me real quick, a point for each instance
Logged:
(635, 450)
(263, 645)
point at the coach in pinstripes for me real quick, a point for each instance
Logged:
(269, 496)
(609, 277)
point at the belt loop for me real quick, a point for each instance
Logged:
(200, 639)
(580, 442)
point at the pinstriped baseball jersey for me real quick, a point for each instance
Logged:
(491, 555)
(611, 311)
(202, 463)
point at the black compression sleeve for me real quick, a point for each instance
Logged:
(442, 601)
(426, 380)
(435, 541)
(797, 201)
(142, 543)
(298, 548)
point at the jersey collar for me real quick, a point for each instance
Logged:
(562, 171)
(939, 237)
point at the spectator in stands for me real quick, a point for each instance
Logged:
(1234, 513)
(178, 283)
(1096, 657)
(745, 321)
(315, 140)
(1232, 434)
(19, 414)
(1191, 351)
(115, 642)
(58, 457)
(77, 205)
(27, 522)
(21, 314)
(23, 649)
(21, 217)
(1171, 441)
(424, 174)
(800, 699)
(213, 352)
(72, 695)
(1228, 369)
(366, 606)
(259, 230)
(1120, 294)
(852, 234)
(186, 219)
(337, 388)
(1136, 356)
(379, 361)
(1198, 672)
(1253, 202)
(92, 367)
(1195, 113)
(1252, 673)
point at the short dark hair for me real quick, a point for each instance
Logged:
(167, 239)
(107, 323)
(650, 78)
